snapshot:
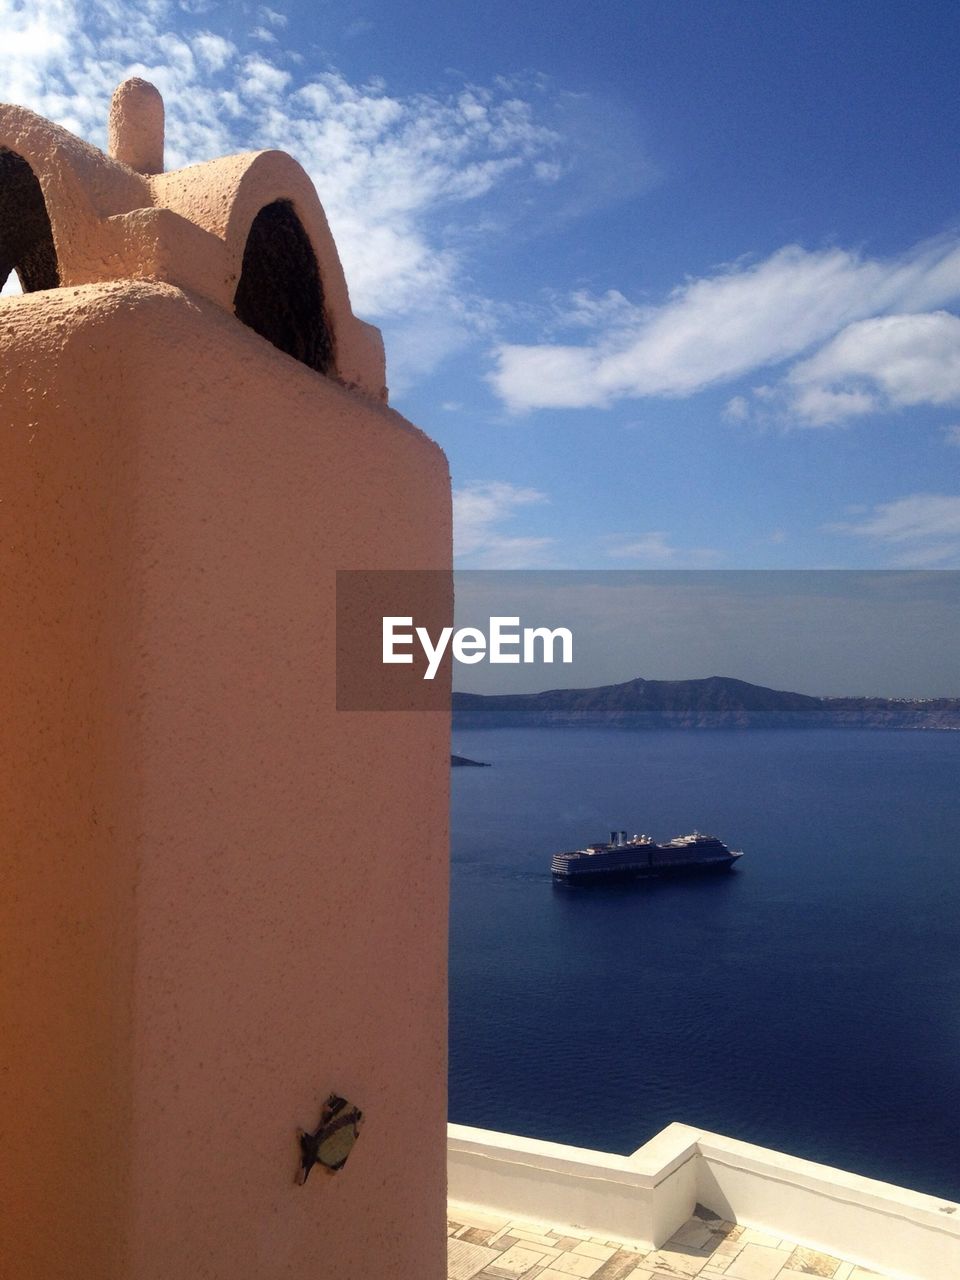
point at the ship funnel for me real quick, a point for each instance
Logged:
(623, 837)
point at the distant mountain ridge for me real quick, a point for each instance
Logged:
(716, 702)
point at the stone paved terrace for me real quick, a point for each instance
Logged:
(486, 1245)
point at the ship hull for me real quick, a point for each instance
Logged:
(620, 874)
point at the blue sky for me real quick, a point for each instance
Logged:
(676, 285)
(895, 633)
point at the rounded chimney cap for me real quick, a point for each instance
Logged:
(135, 128)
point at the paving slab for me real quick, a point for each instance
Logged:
(492, 1246)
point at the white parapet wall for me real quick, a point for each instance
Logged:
(645, 1197)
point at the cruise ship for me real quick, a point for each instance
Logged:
(621, 858)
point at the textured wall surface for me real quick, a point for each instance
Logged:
(222, 899)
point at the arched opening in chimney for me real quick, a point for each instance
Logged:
(280, 293)
(26, 238)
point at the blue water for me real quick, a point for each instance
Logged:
(809, 1000)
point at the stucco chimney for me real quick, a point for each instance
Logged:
(135, 126)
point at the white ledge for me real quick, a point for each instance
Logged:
(643, 1198)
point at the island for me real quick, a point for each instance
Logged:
(716, 702)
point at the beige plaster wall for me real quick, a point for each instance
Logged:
(235, 896)
(68, 795)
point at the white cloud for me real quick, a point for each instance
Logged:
(720, 327)
(213, 51)
(885, 362)
(547, 377)
(548, 170)
(611, 310)
(654, 550)
(261, 78)
(386, 166)
(919, 531)
(737, 409)
(818, 406)
(479, 511)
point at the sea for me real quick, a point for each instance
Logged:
(808, 1000)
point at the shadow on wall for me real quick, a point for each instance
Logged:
(26, 237)
(280, 294)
